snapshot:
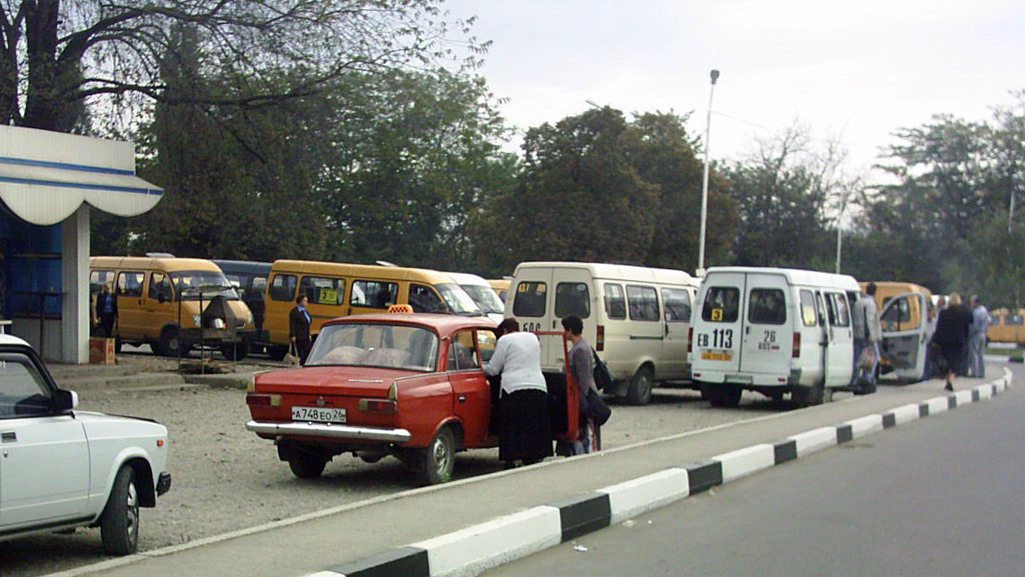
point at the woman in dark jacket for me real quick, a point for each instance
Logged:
(952, 336)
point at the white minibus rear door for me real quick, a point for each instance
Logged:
(718, 324)
(768, 341)
(904, 340)
(574, 295)
(531, 304)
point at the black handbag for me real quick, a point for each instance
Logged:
(602, 374)
(600, 412)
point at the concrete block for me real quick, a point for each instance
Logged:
(743, 462)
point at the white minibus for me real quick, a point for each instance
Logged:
(481, 292)
(774, 331)
(636, 318)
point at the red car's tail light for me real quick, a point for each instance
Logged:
(255, 400)
(378, 406)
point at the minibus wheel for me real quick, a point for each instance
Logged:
(639, 392)
(171, 343)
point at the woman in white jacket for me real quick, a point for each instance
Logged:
(524, 428)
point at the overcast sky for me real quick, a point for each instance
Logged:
(857, 70)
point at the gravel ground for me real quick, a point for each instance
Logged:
(225, 478)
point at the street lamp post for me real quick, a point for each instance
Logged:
(704, 180)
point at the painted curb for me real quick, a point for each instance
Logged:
(475, 549)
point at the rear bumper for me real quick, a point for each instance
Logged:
(163, 483)
(342, 432)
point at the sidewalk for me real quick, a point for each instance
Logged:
(464, 527)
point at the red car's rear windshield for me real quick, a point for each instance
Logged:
(376, 345)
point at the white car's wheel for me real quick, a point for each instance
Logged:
(119, 523)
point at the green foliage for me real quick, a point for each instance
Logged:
(782, 203)
(47, 45)
(413, 156)
(595, 187)
(945, 223)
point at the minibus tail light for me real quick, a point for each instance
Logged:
(690, 340)
(797, 346)
(599, 341)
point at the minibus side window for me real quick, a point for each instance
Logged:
(530, 299)
(97, 279)
(721, 304)
(808, 314)
(259, 285)
(160, 286)
(129, 284)
(424, 299)
(615, 301)
(374, 294)
(572, 298)
(1015, 320)
(283, 287)
(767, 307)
(836, 305)
(322, 290)
(677, 304)
(643, 301)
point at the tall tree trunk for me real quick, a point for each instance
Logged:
(42, 104)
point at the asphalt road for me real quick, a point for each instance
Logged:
(940, 496)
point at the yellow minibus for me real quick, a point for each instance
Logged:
(339, 289)
(174, 304)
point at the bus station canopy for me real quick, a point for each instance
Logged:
(45, 176)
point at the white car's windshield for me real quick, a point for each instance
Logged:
(376, 345)
(485, 298)
(458, 301)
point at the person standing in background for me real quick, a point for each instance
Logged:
(581, 366)
(299, 322)
(867, 332)
(977, 339)
(952, 336)
(106, 309)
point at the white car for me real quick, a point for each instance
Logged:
(61, 468)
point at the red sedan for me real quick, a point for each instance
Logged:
(406, 385)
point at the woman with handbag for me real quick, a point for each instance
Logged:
(594, 412)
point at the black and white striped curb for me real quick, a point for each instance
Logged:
(475, 549)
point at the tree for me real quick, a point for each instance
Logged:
(783, 196)
(412, 157)
(668, 157)
(56, 56)
(579, 197)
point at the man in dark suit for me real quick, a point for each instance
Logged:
(299, 328)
